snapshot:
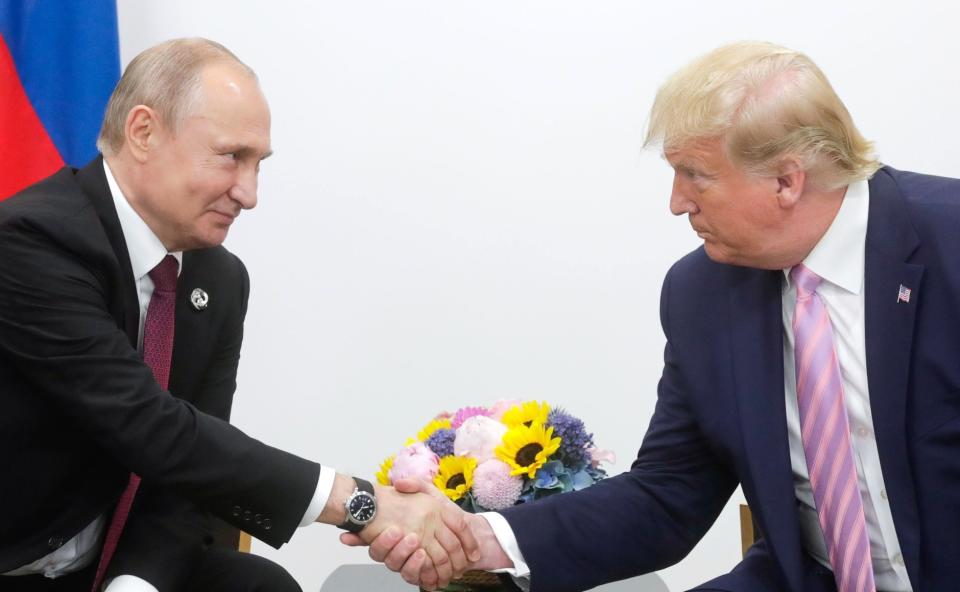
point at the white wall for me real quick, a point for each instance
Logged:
(459, 208)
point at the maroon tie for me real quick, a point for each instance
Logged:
(157, 352)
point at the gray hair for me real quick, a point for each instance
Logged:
(165, 78)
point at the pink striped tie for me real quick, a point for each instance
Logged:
(825, 432)
(157, 353)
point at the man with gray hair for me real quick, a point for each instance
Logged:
(121, 320)
(811, 358)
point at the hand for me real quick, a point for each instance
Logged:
(417, 524)
(402, 554)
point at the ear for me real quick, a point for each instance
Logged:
(140, 129)
(790, 182)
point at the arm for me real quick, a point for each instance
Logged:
(56, 324)
(636, 522)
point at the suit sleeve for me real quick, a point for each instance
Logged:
(637, 522)
(55, 324)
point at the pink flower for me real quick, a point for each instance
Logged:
(501, 406)
(478, 437)
(415, 462)
(494, 487)
(466, 413)
(598, 456)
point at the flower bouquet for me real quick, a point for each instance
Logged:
(490, 458)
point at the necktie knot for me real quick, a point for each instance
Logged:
(806, 281)
(164, 275)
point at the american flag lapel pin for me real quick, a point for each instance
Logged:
(903, 295)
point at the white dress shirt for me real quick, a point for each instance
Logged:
(146, 252)
(838, 258)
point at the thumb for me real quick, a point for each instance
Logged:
(415, 486)
(352, 540)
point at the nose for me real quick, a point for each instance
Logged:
(244, 190)
(680, 201)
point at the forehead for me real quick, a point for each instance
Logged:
(706, 153)
(232, 106)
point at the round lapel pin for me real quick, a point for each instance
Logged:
(199, 299)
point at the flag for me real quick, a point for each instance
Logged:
(903, 295)
(59, 62)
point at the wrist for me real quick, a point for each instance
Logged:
(334, 512)
(492, 555)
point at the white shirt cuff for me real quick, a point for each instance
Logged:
(520, 572)
(128, 584)
(320, 496)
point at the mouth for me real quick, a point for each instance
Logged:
(227, 217)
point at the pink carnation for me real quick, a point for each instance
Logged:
(415, 462)
(466, 413)
(494, 487)
(501, 407)
(598, 456)
(478, 437)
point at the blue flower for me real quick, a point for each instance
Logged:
(573, 435)
(441, 442)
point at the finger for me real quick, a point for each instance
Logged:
(381, 546)
(401, 552)
(451, 544)
(456, 520)
(441, 561)
(351, 540)
(412, 568)
(413, 486)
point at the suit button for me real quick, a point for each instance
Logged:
(247, 515)
(267, 524)
(236, 510)
(55, 542)
(258, 519)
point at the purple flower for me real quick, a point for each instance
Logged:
(573, 435)
(441, 442)
(466, 413)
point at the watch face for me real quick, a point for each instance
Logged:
(362, 508)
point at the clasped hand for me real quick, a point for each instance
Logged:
(420, 533)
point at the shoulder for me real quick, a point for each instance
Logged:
(47, 202)
(932, 203)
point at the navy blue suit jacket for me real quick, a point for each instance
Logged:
(720, 418)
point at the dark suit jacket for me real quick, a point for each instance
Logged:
(720, 417)
(79, 409)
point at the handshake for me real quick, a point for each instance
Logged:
(418, 532)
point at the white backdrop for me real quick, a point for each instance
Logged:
(459, 208)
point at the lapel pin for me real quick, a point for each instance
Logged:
(904, 294)
(199, 299)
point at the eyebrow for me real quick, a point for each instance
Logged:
(224, 148)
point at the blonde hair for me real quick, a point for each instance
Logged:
(766, 102)
(165, 78)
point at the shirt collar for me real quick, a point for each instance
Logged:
(838, 257)
(145, 249)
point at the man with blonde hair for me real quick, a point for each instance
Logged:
(121, 320)
(811, 358)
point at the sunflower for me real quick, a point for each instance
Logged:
(528, 414)
(430, 428)
(383, 475)
(456, 476)
(526, 448)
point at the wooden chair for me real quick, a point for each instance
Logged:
(244, 544)
(749, 533)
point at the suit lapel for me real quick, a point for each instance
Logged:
(757, 338)
(93, 182)
(891, 239)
